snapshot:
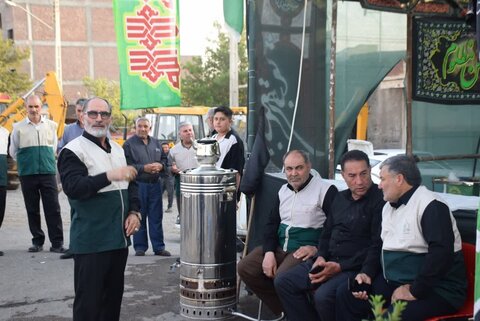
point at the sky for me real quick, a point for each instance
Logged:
(196, 24)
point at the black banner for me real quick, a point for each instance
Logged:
(445, 62)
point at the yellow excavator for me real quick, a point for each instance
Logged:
(55, 108)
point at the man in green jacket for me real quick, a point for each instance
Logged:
(33, 145)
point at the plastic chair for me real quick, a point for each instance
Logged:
(466, 311)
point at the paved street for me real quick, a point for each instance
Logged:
(39, 286)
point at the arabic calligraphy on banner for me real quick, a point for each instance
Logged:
(445, 64)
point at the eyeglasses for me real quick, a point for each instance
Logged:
(94, 114)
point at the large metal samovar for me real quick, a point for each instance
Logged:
(208, 232)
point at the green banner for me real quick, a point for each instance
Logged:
(233, 14)
(148, 52)
(445, 64)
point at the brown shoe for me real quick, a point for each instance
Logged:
(163, 253)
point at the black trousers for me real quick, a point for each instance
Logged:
(98, 282)
(352, 309)
(3, 198)
(34, 186)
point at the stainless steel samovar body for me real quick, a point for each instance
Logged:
(208, 233)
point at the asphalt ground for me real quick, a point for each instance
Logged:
(39, 286)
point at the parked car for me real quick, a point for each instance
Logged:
(429, 170)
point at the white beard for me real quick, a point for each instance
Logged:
(97, 132)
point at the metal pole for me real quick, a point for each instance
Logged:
(252, 76)
(408, 81)
(233, 71)
(58, 47)
(331, 107)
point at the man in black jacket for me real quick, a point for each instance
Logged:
(145, 154)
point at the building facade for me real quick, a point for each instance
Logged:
(88, 45)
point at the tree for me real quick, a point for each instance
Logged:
(110, 90)
(12, 81)
(207, 82)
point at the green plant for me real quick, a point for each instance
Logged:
(377, 302)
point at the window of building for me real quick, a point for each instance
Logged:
(10, 34)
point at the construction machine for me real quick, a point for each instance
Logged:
(54, 107)
(165, 121)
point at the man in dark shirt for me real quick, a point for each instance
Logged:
(145, 154)
(420, 255)
(347, 245)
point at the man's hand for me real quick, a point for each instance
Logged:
(269, 264)
(330, 269)
(132, 224)
(362, 278)
(305, 252)
(403, 293)
(125, 173)
(152, 168)
(175, 169)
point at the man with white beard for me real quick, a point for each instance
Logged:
(104, 204)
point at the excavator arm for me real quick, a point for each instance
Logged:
(52, 96)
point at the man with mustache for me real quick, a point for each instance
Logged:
(292, 232)
(33, 145)
(104, 202)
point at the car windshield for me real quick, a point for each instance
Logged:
(374, 162)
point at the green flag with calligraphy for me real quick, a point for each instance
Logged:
(148, 52)
(445, 63)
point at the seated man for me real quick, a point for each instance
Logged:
(421, 253)
(294, 226)
(347, 246)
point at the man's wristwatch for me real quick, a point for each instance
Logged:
(138, 214)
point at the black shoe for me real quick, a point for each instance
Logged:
(239, 245)
(177, 221)
(35, 248)
(163, 253)
(1, 253)
(66, 255)
(139, 253)
(59, 249)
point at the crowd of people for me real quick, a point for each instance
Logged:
(324, 251)
(114, 192)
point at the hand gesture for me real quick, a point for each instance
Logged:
(124, 173)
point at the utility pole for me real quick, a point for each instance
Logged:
(233, 71)
(58, 42)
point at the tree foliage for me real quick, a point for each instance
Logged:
(206, 81)
(12, 81)
(110, 90)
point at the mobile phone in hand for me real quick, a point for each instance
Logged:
(316, 269)
(354, 286)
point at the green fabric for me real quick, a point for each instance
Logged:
(233, 14)
(410, 264)
(404, 267)
(3, 170)
(149, 58)
(298, 236)
(36, 160)
(447, 130)
(97, 223)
